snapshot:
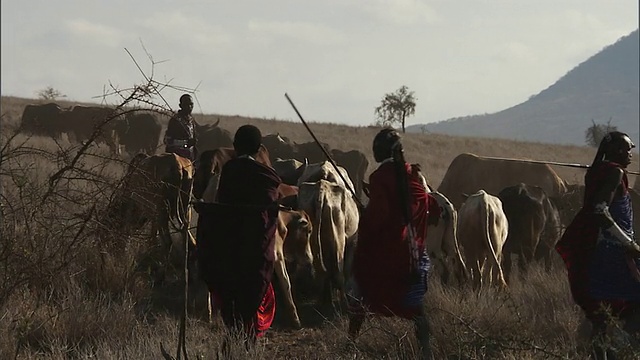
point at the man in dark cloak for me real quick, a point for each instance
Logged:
(236, 236)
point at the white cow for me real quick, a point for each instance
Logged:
(482, 232)
(334, 215)
(325, 171)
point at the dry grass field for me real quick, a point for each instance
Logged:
(66, 294)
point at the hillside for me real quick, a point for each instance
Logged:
(603, 87)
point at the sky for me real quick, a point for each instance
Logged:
(335, 58)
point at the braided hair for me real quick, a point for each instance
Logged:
(609, 143)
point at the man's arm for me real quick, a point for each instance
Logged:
(602, 200)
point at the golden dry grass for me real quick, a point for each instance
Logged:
(79, 299)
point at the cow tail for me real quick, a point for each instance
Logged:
(453, 222)
(490, 219)
(317, 236)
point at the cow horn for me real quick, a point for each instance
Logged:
(216, 123)
(465, 195)
(306, 161)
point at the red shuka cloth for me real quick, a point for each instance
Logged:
(382, 265)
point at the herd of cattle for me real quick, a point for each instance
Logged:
(491, 209)
(133, 130)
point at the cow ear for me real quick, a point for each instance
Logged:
(216, 123)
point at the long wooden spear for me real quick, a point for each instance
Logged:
(548, 163)
(335, 166)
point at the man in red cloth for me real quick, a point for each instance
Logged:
(598, 247)
(236, 237)
(390, 263)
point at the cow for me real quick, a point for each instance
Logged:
(534, 226)
(211, 137)
(45, 120)
(143, 131)
(84, 121)
(283, 148)
(356, 164)
(289, 170)
(279, 147)
(469, 173)
(442, 242)
(325, 171)
(292, 246)
(482, 232)
(155, 189)
(335, 216)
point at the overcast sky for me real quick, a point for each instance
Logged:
(335, 58)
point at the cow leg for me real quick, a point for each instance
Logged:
(544, 252)
(283, 277)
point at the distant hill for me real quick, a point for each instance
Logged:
(606, 86)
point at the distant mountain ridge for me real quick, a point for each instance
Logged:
(605, 86)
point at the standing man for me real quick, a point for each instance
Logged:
(180, 137)
(598, 247)
(390, 262)
(236, 241)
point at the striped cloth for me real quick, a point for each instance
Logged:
(609, 273)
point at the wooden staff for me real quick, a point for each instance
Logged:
(335, 166)
(548, 163)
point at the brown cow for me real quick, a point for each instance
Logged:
(156, 188)
(84, 121)
(292, 246)
(212, 136)
(142, 133)
(356, 164)
(289, 170)
(534, 226)
(45, 119)
(469, 173)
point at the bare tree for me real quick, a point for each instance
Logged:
(395, 107)
(595, 132)
(49, 93)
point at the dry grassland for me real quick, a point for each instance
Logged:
(65, 294)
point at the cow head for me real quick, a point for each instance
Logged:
(204, 173)
(297, 243)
